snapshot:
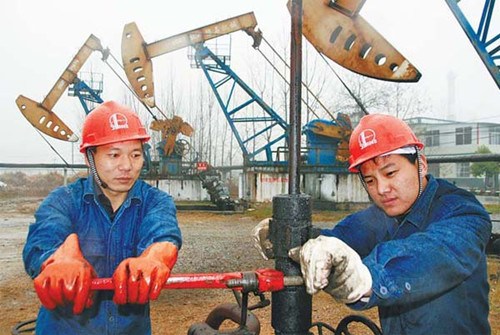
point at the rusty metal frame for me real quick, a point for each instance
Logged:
(338, 31)
(40, 115)
(137, 54)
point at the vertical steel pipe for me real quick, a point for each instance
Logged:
(291, 310)
(295, 97)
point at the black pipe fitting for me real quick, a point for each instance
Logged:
(291, 227)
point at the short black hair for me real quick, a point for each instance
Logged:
(412, 158)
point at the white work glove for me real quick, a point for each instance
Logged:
(261, 239)
(329, 264)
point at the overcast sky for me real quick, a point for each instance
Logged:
(39, 38)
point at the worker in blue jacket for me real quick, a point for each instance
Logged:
(108, 225)
(418, 253)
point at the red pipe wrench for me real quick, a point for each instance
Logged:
(261, 280)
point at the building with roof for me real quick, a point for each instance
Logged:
(458, 139)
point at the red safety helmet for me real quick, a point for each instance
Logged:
(111, 122)
(378, 134)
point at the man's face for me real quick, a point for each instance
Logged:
(392, 182)
(119, 165)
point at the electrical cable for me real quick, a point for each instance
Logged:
(130, 89)
(286, 81)
(54, 149)
(283, 77)
(351, 93)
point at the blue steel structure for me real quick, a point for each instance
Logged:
(484, 41)
(272, 131)
(85, 94)
(265, 124)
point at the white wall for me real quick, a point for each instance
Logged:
(328, 187)
(184, 189)
(335, 187)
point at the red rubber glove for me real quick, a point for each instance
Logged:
(65, 278)
(140, 279)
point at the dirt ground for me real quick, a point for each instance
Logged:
(212, 243)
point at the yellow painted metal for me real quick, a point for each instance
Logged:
(338, 132)
(137, 64)
(202, 34)
(91, 44)
(329, 130)
(170, 129)
(137, 54)
(44, 119)
(40, 115)
(348, 7)
(353, 43)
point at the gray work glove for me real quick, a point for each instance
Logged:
(329, 264)
(261, 239)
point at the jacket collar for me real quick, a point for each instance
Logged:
(91, 191)
(418, 214)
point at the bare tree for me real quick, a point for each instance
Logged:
(403, 100)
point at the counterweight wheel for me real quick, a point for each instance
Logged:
(182, 147)
(343, 326)
(25, 327)
(222, 313)
(320, 325)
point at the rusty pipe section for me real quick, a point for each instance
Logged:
(262, 280)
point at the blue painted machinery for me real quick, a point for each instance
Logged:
(261, 133)
(327, 141)
(88, 94)
(482, 38)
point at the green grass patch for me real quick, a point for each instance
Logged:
(261, 211)
(493, 208)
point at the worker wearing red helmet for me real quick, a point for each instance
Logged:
(108, 225)
(418, 253)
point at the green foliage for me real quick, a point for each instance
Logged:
(492, 208)
(260, 211)
(484, 168)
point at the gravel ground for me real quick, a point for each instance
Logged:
(212, 243)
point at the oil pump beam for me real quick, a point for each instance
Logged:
(137, 54)
(345, 37)
(40, 115)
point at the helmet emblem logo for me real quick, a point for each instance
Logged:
(118, 121)
(367, 138)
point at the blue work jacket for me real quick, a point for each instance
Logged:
(429, 269)
(148, 215)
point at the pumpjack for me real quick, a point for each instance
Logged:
(364, 51)
(40, 115)
(266, 146)
(173, 152)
